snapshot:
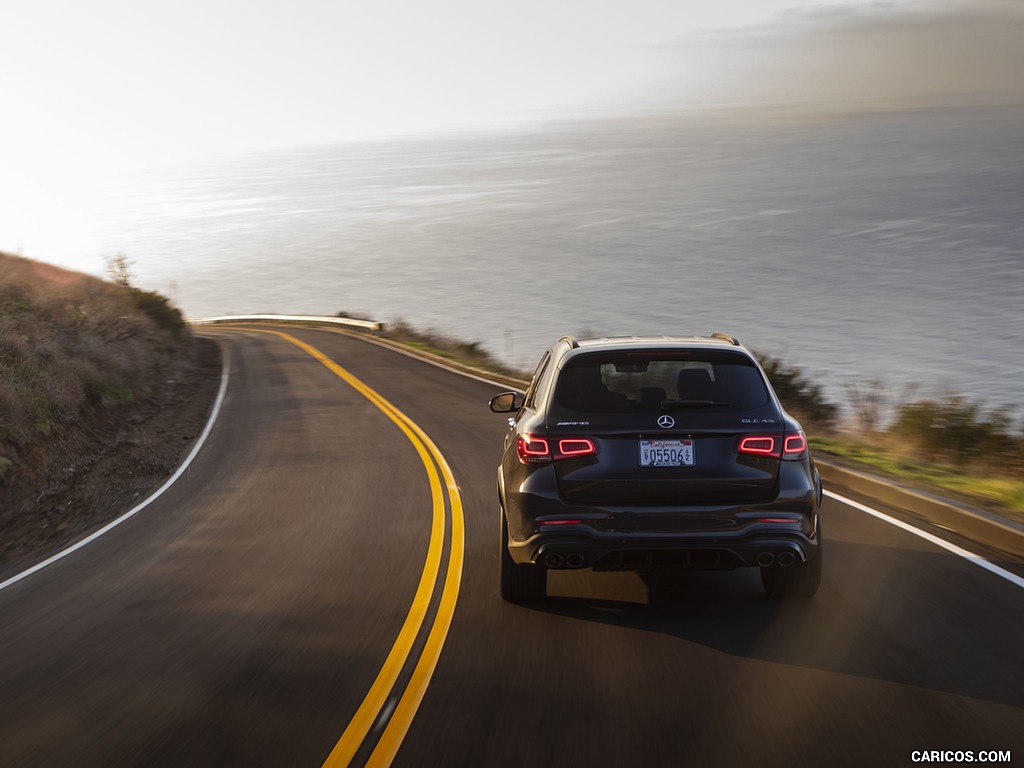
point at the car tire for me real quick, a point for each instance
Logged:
(800, 580)
(519, 583)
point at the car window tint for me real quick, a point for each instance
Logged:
(651, 381)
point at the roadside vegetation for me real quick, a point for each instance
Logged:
(73, 348)
(468, 353)
(948, 444)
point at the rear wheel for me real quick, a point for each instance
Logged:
(519, 583)
(799, 580)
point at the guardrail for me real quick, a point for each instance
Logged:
(992, 530)
(371, 326)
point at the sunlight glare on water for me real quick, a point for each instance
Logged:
(860, 246)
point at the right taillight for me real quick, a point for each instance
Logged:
(789, 447)
(794, 447)
(759, 445)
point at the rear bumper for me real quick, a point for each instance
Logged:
(546, 531)
(583, 548)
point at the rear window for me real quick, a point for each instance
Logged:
(653, 381)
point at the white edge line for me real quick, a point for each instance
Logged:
(443, 366)
(958, 551)
(156, 494)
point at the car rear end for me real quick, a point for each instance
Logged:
(661, 455)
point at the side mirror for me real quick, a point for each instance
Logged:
(505, 403)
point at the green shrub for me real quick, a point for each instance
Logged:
(955, 429)
(430, 340)
(798, 394)
(160, 310)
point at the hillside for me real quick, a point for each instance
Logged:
(93, 376)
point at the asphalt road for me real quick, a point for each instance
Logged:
(258, 612)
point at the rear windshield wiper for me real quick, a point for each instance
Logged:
(680, 405)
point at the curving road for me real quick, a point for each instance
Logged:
(317, 589)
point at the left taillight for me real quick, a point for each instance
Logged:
(576, 446)
(533, 449)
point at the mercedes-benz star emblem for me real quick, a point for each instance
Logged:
(666, 421)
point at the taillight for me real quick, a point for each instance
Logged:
(758, 445)
(791, 447)
(794, 447)
(533, 449)
(576, 446)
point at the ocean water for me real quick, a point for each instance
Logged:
(881, 246)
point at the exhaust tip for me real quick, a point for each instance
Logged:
(786, 559)
(553, 560)
(765, 559)
(575, 560)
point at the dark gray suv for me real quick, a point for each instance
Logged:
(655, 453)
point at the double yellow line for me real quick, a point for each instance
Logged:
(379, 694)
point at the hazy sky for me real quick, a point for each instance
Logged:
(92, 87)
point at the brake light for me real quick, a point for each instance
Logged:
(533, 449)
(758, 445)
(791, 447)
(794, 447)
(576, 446)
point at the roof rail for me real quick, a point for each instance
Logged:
(571, 341)
(725, 337)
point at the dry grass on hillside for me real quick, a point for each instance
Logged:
(70, 345)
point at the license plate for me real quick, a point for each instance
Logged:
(666, 453)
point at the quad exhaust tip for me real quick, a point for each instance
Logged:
(555, 560)
(784, 559)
